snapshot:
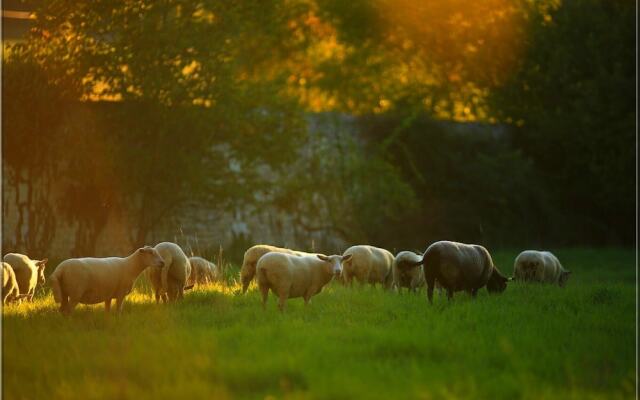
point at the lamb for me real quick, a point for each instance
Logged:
(540, 266)
(290, 276)
(459, 266)
(368, 264)
(29, 273)
(405, 274)
(202, 271)
(170, 282)
(96, 280)
(10, 290)
(251, 257)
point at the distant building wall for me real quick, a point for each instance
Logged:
(198, 228)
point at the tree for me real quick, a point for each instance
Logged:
(573, 99)
(198, 103)
(32, 111)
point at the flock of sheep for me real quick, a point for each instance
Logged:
(287, 273)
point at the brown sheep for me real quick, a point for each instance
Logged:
(459, 266)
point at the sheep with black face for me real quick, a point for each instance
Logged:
(458, 267)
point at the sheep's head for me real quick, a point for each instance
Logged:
(406, 261)
(41, 265)
(564, 277)
(497, 282)
(333, 264)
(150, 257)
(245, 278)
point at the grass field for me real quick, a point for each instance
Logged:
(531, 342)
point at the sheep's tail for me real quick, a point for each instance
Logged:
(54, 282)
(261, 275)
(430, 259)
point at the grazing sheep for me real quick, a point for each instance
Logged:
(251, 257)
(540, 266)
(10, 290)
(202, 271)
(404, 272)
(290, 276)
(170, 282)
(459, 266)
(29, 273)
(368, 264)
(97, 280)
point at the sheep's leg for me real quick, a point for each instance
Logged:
(69, 307)
(430, 285)
(307, 297)
(264, 291)
(64, 303)
(473, 292)
(350, 281)
(282, 301)
(107, 305)
(157, 297)
(449, 294)
(119, 304)
(31, 292)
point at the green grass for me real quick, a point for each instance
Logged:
(531, 342)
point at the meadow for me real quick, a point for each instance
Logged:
(531, 342)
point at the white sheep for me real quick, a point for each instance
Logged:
(251, 257)
(29, 273)
(202, 271)
(404, 272)
(368, 264)
(170, 282)
(96, 280)
(10, 290)
(540, 266)
(290, 276)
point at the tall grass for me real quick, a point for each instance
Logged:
(531, 342)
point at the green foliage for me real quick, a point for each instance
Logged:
(340, 186)
(533, 341)
(472, 185)
(574, 97)
(33, 109)
(199, 107)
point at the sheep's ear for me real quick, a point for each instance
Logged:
(323, 257)
(347, 257)
(42, 263)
